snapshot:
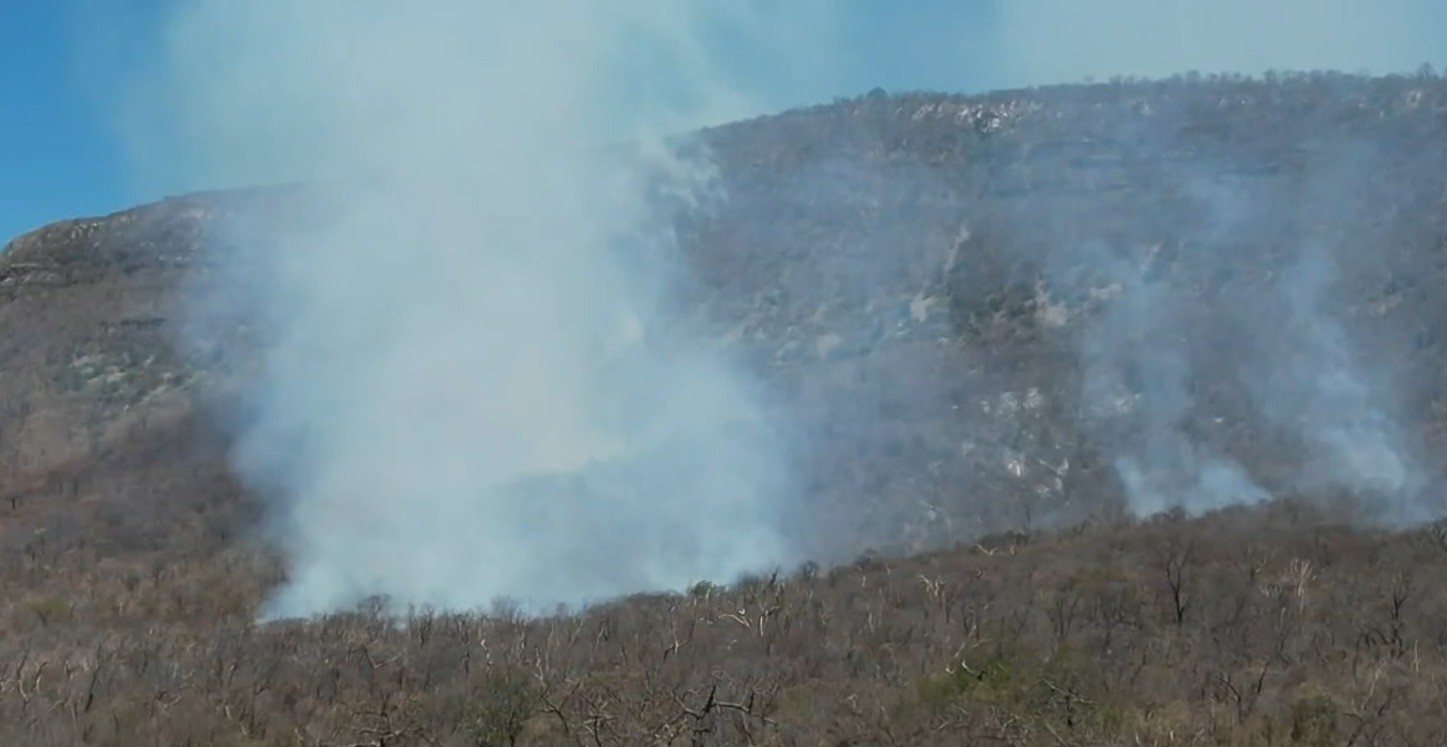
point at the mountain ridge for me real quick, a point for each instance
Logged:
(918, 198)
(1000, 323)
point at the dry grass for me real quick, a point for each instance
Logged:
(132, 574)
(1268, 626)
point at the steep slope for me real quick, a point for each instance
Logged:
(920, 277)
(111, 458)
(948, 285)
(987, 314)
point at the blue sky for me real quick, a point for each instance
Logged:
(60, 155)
(55, 157)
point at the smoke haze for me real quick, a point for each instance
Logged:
(477, 387)
(1150, 350)
(480, 381)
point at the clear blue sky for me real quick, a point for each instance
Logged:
(56, 158)
(60, 155)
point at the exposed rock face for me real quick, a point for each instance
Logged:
(984, 313)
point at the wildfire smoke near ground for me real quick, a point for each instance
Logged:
(564, 396)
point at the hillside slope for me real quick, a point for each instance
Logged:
(985, 314)
(960, 291)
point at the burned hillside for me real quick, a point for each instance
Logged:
(1055, 322)
(939, 290)
(964, 293)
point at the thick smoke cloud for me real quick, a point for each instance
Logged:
(479, 383)
(476, 385)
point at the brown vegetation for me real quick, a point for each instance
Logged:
(1265, 626)
(874, 261)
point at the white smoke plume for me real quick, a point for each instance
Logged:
(1137, 374)
(480, 387)
(1149, 351)
(1319, 383)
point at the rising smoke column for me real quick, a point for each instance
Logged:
(478, 384)
(1136, 373)
(1276, 331)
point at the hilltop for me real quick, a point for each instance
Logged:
(985, 314)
